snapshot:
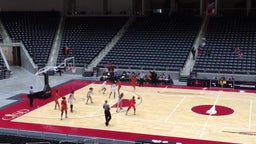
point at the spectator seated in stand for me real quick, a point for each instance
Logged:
(231, 78)
(241, 55)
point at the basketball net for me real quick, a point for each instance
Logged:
(68, 64)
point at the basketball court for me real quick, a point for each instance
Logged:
(223, 115)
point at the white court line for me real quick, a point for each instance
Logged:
(171, 113)
(250, 115)
(207, 121)
(69, 117)
(218, 96)
(184, 124)
(204, 96)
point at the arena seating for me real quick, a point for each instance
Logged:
(87, 36)
(8, 139)
(230, 46)
(35, 29)
(15, 139)
(156, 42)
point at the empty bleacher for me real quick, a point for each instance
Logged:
(35, 29)
(24, 140)
(16, 139)
(156, 42)
(87, 36)
(227, 38)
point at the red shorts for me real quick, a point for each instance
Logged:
(63, 109)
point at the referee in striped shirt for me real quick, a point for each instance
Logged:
(107, 113)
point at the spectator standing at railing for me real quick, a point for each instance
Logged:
(30, 96)
(134, 82)
(154, 78)
(65, 50)
(231, 78)
(141, 79)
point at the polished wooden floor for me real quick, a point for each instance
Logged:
(161, 111)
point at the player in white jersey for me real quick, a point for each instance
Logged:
(103, 87)
(113, 89)
(71, 100)
(89, 95)
(119, 104)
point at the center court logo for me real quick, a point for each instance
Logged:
(219, 110)
(15, 114)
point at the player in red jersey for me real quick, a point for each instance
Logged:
(64, 107)
(56, 97)
(132, 105)
(119, 85)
